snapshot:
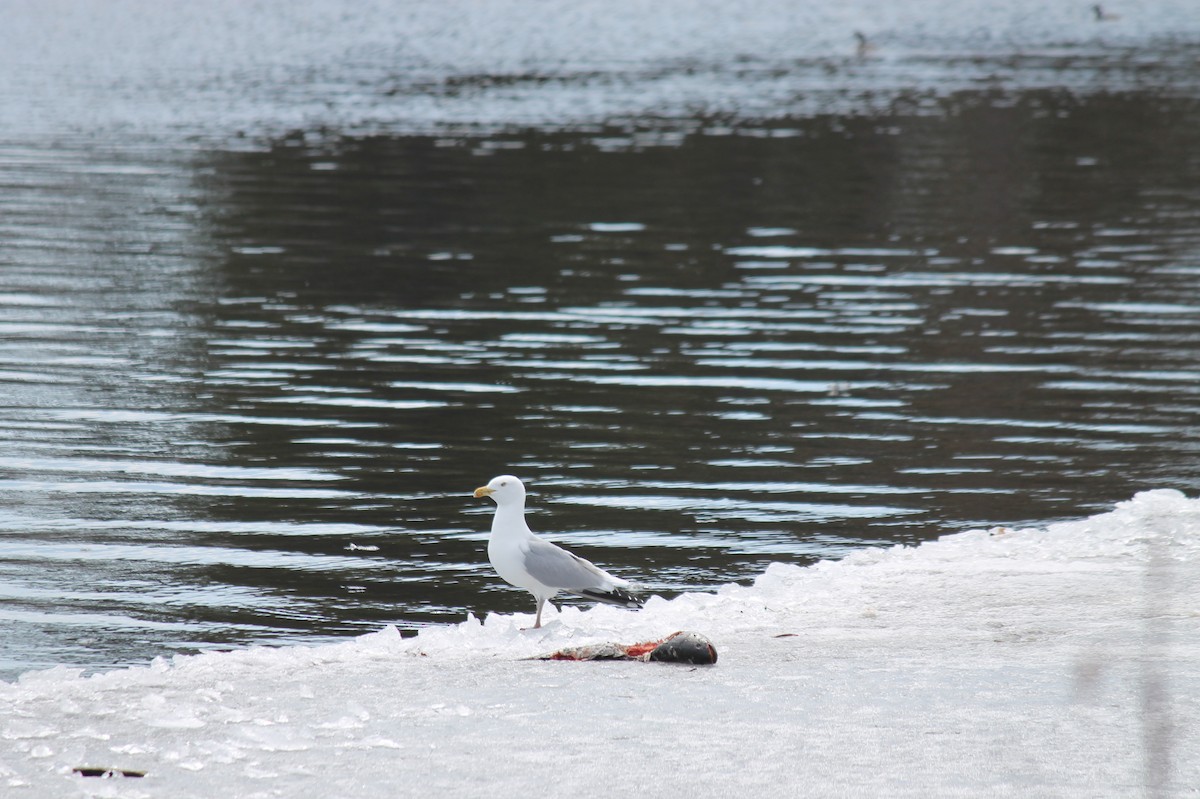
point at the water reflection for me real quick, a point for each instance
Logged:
(247, 394)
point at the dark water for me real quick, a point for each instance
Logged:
(246, 394)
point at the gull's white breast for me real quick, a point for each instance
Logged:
(508, 559)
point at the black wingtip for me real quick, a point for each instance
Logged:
(616, 596)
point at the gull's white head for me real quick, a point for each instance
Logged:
(504, 490)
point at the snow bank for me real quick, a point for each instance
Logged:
(1048, 662)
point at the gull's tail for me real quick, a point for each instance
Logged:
(613, 596)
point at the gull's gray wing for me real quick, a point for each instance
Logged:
(554, 566)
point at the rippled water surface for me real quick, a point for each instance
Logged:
(246, 391)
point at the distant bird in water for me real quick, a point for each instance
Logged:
(1102, 15)
(865, 48)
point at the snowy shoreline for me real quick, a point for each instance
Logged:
(1055, 662)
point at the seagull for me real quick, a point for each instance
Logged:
(865, 48)
(1102, 15)
(541, 568)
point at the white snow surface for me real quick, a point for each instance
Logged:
(1036, 662)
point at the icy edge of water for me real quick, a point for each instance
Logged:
(1155, 527)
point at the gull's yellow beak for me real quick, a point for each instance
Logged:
(483, 491)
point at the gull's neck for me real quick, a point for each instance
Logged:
(510, 519)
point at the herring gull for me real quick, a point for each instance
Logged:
(541, 568)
